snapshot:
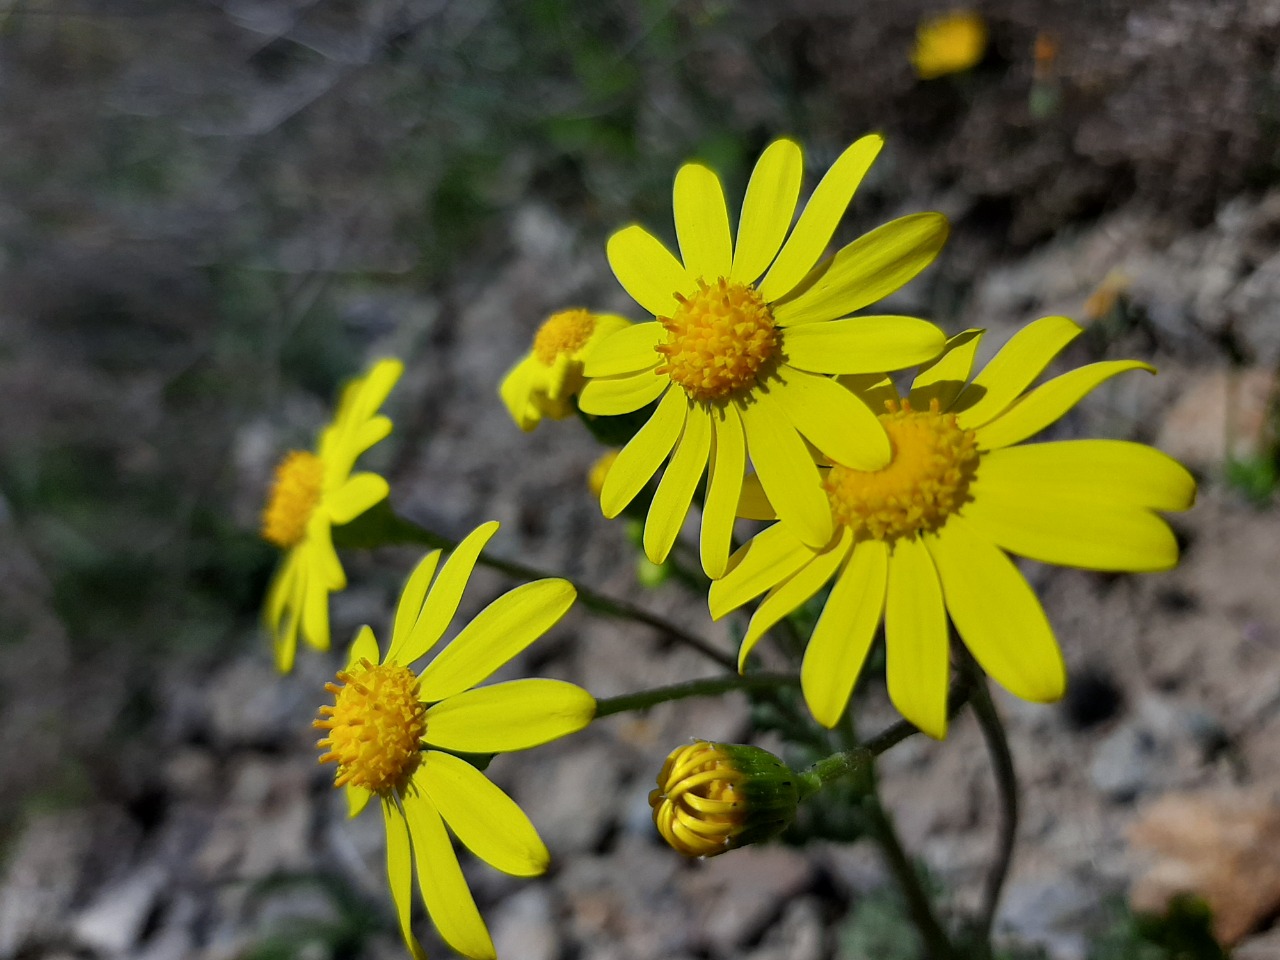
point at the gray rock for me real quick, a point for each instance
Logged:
(113, 922)
(41, 880)
(524, 926)
(1128, 762)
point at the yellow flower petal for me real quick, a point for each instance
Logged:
(373, 388)
(915, 625)
(610, 396)
(363, 647)
(496, 634)
(1103, 471)
(443, 597)
(842, 637)
(724, 487)
(486, 820)
(516, 391)
(282, 608)
(647, 270)
(629, 350)
(676, 488)
(794, 591)
(370, 432)
(822, 214)
(318, 554)
(1013, 369)
(444, 888)
(412, 598)
(315, 613)
(357, 495)
(868, 269)
(640, 459)
(1016, 647)
(944, 378)
(862, 344)
(702, 222)
(515, 715)
(400, 872)
(761, 563)
(357, 799)
(1073, 532)
(768, 209)
(833, 419)
(786, 470)
(1049, 401)
(875, 390)
(752, 502)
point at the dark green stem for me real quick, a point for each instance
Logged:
(693, 688)
(937, 945)
(381, 527)
(993, 732)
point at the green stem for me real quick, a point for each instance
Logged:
(860, 758)
(381, 527)
(993, 732)
(936, 943)
(692, 688)
(860, 762)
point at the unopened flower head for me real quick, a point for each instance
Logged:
(949, 43)
(713, 797)
(395, 735)
(745, 336)
(311, 493)
(546, 379)
(924, 538)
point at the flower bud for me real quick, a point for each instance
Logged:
(713, 797)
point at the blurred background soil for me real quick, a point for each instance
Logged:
(211, 214)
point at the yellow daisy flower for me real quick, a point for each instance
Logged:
(542, 383)
(311, 493)
(389, 728)
(949, 43)
(925, 537)
(744, 339)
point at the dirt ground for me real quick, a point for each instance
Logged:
(207, 220)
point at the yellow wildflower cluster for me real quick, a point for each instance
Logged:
(889, 471)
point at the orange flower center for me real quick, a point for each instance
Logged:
(934, 461)
(375, 726)
(563, 333)
(295, 491)
(718, 340)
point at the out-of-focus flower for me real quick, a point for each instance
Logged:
(388, 730)
(925, 537)
(311, 493)
(600, 470)
(949, 43)
(713, 797)
(546, 379)
(1106, 295)
(745, 336)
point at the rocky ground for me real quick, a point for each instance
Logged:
(163, 800)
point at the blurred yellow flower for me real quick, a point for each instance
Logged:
(925, 537)
(311, 493)
(949, 43)
(745, 336)
(600, 470)
(545, 379)
(388, 730)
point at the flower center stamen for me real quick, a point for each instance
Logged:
(718, 340)
(934, 461)
(563, 333)
(295, 491)
(375, 726)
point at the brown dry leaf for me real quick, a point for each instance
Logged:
(1224, 847)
